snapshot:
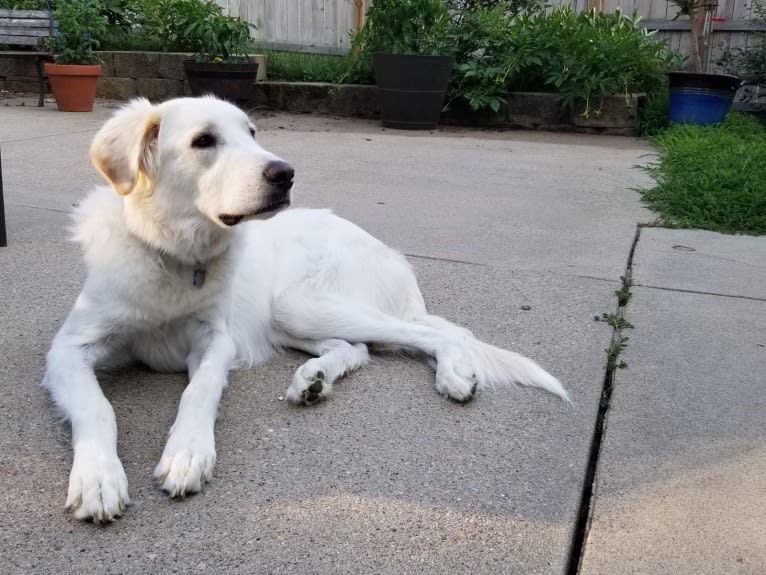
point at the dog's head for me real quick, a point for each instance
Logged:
(189, 157)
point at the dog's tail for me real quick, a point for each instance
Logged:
(496, 367)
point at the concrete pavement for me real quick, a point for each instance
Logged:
(387, 477)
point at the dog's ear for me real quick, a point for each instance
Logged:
(125, 148)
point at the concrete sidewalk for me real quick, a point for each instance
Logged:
(387, 477)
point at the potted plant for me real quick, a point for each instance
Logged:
(699, 96)
(408, 43)
(74, 74)
(221, 66)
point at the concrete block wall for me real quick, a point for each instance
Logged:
(18, 75)
(154, 75)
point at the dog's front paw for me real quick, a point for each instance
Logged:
(310, 384)
(98, 487)
(186, 464)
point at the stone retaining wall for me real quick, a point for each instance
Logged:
(527, 110)
(160, 75)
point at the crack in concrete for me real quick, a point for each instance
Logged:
(698, 292)
(42, 208)
(446, 260)
(588, 495)
(45, 136)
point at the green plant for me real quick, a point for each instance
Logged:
(749, 62)
(218, 37)
(398, 27)
(654, 116)
(460, 8)
(616, 347)
(580, 56)
(483, 49)
(711, 177)
(176, 26)
(616, 321)
(25, 4)
(304, 67)
(80, 24)
(586, 56)
(623, 296)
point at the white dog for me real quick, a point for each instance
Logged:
(179, 281)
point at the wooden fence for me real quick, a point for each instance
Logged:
(326, 25)
(304, 25)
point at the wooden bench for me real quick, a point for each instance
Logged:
(28, 28)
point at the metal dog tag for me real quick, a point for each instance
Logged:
(198, 277)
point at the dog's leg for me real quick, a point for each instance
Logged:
(463, 363)
(313, 380)
(98, 487)
(309, 315)
(189, 456)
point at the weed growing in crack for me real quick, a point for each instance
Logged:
(616, 321)
(618, 345)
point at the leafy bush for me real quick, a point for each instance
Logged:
(80, 24)
(461, 7)
(398, 27)
(750, 62)
(580, 56)
(177, 26)
(25, 4)
(711, 177)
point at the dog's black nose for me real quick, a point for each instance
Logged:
(279, 173)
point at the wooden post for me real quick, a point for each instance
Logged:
(360, 13)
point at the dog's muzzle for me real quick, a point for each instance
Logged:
(279, 176)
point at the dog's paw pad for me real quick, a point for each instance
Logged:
(313, 392)
(308, 387)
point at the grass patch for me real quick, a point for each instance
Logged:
(305, 67)
(711, 177)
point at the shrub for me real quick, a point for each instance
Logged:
(80, 25)
(398, 27)
(580, 56)
(750, 62)
(176, 26)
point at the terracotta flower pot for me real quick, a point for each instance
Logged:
(74, 86)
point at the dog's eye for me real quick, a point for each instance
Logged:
(252, 132)
(204, 141)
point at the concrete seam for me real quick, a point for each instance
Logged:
(446, 260)
(698, 292)
(588, 495)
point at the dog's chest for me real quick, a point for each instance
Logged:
(171, 290)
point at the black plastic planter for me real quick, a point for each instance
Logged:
(701, 98)
(229, 81)
(411, 89)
